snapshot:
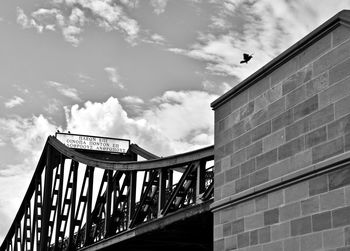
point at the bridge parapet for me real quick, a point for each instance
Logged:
(65, 209)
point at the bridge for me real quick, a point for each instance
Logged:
(79, 200)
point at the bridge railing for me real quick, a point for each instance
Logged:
(74, 200)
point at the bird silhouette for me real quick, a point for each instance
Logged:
(246, 58)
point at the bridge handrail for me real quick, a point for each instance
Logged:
(164, 162)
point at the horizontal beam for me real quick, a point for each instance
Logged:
(166, 162)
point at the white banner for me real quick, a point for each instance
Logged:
(94, 143)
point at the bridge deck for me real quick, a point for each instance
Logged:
(188, 229)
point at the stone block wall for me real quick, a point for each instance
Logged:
(310, 215)
(278, 137)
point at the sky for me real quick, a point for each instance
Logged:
(144, 70)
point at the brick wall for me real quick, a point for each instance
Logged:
(289, 120)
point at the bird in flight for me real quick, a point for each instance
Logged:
(246, 58)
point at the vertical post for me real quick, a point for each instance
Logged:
(89, 206)
(200, 181)
(37, 217)
(59, 203)
(170, 179)
(161, 190)
(109, 191)
(46, 200)
(72, 209)
(26, 227)
(17, 235)
(132, 196)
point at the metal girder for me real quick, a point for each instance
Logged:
(62, 211)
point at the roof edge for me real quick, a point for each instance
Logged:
(342, 17)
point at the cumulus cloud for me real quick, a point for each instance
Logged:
(134, 106)
(26, 134)
(65, 90)
(173, 123)
(114, 76)
(15, 101)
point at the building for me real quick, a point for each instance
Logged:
(282, 141)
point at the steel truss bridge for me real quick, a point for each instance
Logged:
(83, 201)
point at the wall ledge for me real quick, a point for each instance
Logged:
(305, 173)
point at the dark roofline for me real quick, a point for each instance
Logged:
(342, 17)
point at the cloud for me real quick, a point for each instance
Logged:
(134, 106)
(106, 13)
(53, 107)
(263, 27)
(110, 16)
(158, 38)
(71, 34)
(27, 23)
(65, 90)
(159, 5)
(172, 123)
(133, 100)
(26, 134)
(15, 101)
(77, 17)
(114, 76)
